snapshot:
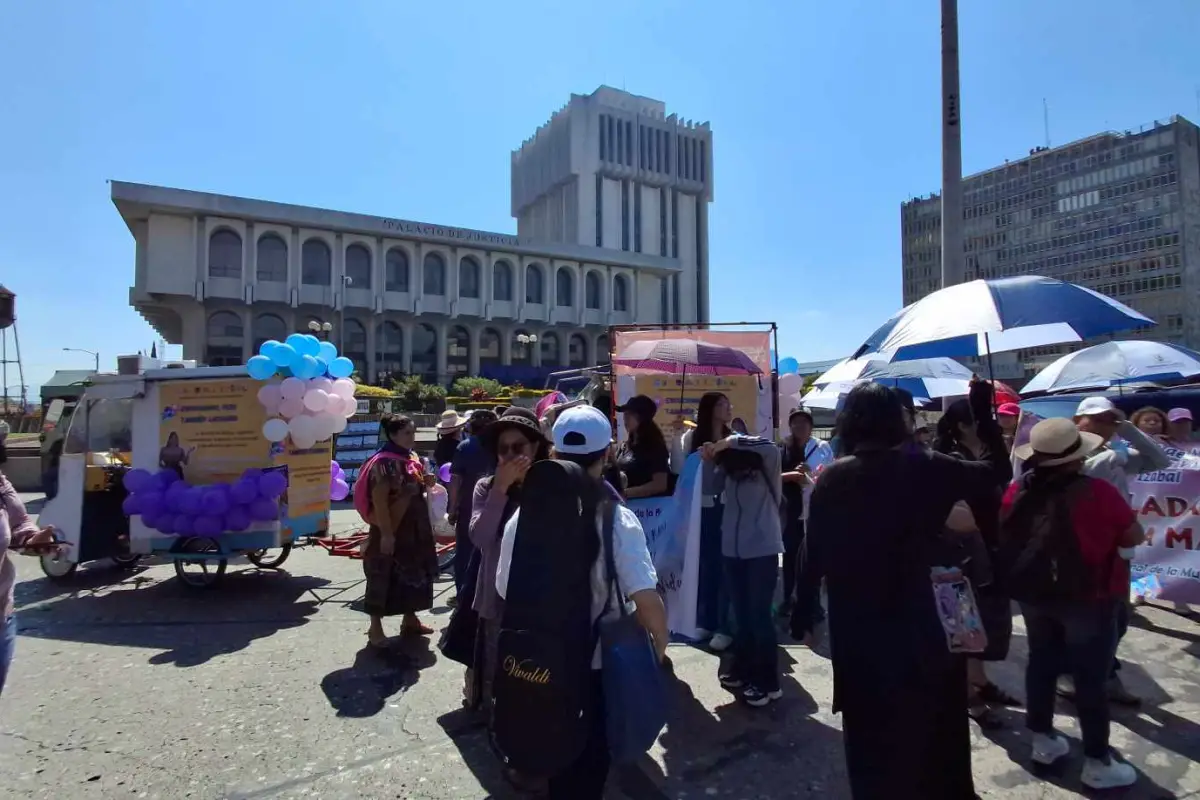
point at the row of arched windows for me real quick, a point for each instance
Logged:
(225, 334)
(316, 269)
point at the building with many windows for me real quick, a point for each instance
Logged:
(1116, 212)
(611, 199)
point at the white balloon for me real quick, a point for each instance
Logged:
(303, 442)
(315, 400)
(324, 384)
(275, 430)
(349, 408)
(344, 387)
(339, 423)
(334, 405)
(326, 422)
(790, 384)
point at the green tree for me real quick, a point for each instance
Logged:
(464, 387)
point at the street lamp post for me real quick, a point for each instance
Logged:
(320, 329)
(952, 197)
(525, 340)
(91, 353)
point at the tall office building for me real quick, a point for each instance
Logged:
(613, 170)
(1118, 212)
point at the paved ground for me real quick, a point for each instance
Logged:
(129, 685)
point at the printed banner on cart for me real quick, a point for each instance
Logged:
(210, 431)
(1168, 506)
(672, 527)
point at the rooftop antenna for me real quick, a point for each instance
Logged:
(1046, 121)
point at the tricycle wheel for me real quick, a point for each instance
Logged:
(57, 568)
(198, 573)
(126, 560)
(261, 559)
(445, 558)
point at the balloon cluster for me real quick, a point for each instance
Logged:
(339, 487)
(170, 505)
(316, 396)
(790, 385)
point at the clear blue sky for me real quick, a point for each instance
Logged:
(825, 118)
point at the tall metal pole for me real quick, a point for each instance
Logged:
(952, 200)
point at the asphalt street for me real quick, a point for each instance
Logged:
(128, 684)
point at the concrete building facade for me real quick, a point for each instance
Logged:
(1116, 212)
(219, 274)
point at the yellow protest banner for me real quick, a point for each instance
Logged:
(210, 431)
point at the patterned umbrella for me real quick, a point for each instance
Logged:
(686, 356)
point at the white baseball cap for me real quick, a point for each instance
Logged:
(581, 431)
(1095, 406)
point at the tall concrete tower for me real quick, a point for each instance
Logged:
(613, 170)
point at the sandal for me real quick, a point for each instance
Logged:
(416, 630)
(991, 693)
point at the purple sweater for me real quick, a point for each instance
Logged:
(15, 527)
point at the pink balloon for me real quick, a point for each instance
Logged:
(292, 388)
(291, 407)
(315, 400)
(269, 395)
(324, 384)
(344, 388)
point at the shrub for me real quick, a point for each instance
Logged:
(518, 392)
(363, 390)
(470, 386)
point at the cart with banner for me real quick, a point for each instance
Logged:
(176, 463)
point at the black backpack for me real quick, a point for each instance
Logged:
(1039, 559)
(542, 696)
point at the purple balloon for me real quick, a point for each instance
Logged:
(444, 473)
(150, 520)
(272, 484)
(138, 480)
(132, 505)
(174, 495)
(264, 510)
(338, 490)
(244, 491)
(151, 503)
(215, 500)
(185, 524)
(237, 518)
(191, 501)
(207, 525)
(252, 474)
(334, 469)
(168, 476)
(165, 524)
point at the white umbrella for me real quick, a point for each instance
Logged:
(1116, 363)
(927, 377)
(833, 395)
(994, 316)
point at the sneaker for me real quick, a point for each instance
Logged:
(1066, 687)
(720, 642)
(1048, 748)
(730, 682)
(756, 697)
(1117, 693)
(1110, 774)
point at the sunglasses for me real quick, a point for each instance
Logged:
(517, 449)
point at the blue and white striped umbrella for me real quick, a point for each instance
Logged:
(973, 319)
(926, 377)
(1115, 363)
(831, 396)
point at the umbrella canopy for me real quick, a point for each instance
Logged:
(1116, 363)
(833, 395)
(936, 377)
(686, 355)
(973, 319)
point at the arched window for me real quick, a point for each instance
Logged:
(468, 277)
(271, 259)
(268, 326)
(577, 351)
(565, 287)
(395, 269)
(458, 353)
(522, 351)
(502, 282)
(435, 276)
(620, 293)
(223, 345)
(534, 291)
(354, 346)
(358, 266)
(551, 353)
(389, 351)
(424, 353)
(224, 254)
(591, 290)
(316, 268)
(489, 347)
(602, 354)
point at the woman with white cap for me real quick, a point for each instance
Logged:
(1062, 534)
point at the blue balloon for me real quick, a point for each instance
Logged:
(296, 342)
(328, 353)
(268, 347)
(284, 356)
(788, 366)
(260, 368)
(308, 367)
(311, 346)
(774, 359)
(341, 367)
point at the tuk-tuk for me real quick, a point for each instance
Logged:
(203, 423)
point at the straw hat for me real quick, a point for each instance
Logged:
(450, 421)
(1058, 441)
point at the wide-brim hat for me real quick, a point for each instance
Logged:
(450, 420)
(521, 419)
(1057, 441)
